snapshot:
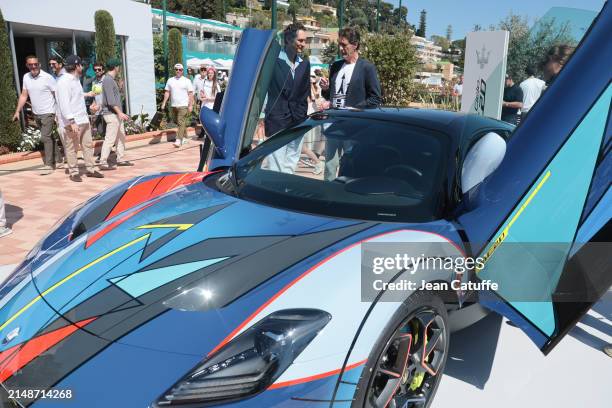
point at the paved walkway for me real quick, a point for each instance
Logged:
(34, 203)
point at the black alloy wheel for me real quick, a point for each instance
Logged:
(408, 369)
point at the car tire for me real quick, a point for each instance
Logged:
(394, 365)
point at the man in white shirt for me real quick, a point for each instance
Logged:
(74, 119)
(458, 88)
(180, 91)
(532, 89)
(198, 84)
(39, 86)
(56, 69)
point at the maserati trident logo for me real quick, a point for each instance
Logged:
(482, 57)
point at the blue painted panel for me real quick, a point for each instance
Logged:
(549, 213)
(137, 284)
(543, 132)
(600, 215)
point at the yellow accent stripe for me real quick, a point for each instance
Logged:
(72, 275)
(526, 203)
(179, 227)
(504, 234)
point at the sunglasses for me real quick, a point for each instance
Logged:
(178, 69)
(98, 70)
(36, 65)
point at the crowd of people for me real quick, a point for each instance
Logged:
(58, 103)
(59, 107)
(520, 98)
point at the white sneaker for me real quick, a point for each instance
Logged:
(318, 169)
(4, 231)
(177, 143)
(46, 170)
(185, 141)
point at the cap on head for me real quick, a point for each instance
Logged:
(178, 66)
(73, 60)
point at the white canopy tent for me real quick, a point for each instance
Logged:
(196, 63)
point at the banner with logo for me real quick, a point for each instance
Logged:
(484, 73)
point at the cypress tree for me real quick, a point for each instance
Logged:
(175, 48)
(10, 132)
(422, 31)
(105, 36)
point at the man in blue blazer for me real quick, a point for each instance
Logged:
(287, 99)
(353, 83)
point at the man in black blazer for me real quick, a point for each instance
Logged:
(353, 83)
(287, 99)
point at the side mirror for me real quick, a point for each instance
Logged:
(215, 128)
(482, 160)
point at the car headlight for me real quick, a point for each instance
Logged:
(252, 361)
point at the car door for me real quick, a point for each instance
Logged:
(541, 221)
(253, 67)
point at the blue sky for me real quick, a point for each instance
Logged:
(463, 14)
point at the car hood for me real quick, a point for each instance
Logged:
(151, 253)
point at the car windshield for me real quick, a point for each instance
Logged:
(367, 169)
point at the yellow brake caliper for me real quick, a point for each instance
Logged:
(418, 378)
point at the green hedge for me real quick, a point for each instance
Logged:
(175, 48)
(105, 36)
(10, 132)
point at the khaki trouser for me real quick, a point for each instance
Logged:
(73, 141)
(60, 132)
(114, 133)
(180, 113)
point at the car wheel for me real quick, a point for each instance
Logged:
(406, 364)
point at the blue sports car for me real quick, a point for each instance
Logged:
(259, 283)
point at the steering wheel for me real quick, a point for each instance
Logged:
(407, 173)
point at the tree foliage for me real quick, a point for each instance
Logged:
(294, 7)
(326, 19)
(422, 31)
(175, 47)
(441, 41)
(212, 9)
(396, 62)
(259, 20)
(105, 36)
(10, 133)
(329, 53)
(399, 16)
(158, 58)
(460, 45)
(527, 47)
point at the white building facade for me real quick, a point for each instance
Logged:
(59, 28)
(426, 50)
